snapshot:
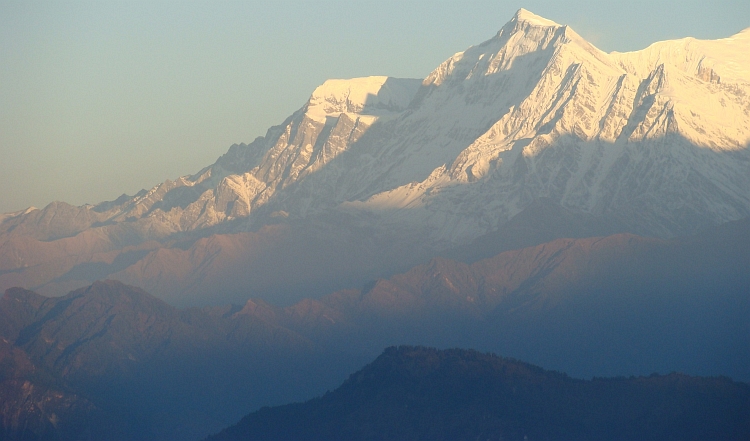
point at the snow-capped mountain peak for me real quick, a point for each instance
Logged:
(533, 92)
(522, 15)
(561, 99)
(526, 39)
(656, 141)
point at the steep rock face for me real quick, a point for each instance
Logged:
(653, 142)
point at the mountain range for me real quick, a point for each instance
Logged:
(375, 175)
(112, 361)
(532, 197)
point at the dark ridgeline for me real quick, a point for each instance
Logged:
(417, 393)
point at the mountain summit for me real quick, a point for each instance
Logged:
(522, 15)
(653, 142)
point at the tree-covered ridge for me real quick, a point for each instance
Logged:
(418, 393)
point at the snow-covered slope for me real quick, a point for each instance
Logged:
(648, 136)
(534, 112)
(655, 140)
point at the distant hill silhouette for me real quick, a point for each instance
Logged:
(417, 393)
(600, 306)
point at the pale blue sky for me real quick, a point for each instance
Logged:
(102, 98)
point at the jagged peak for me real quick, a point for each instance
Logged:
(522, 21)
(523, 15)
(523, 34)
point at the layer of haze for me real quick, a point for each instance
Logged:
(101, 98)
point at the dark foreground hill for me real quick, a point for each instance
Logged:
(417, 393)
